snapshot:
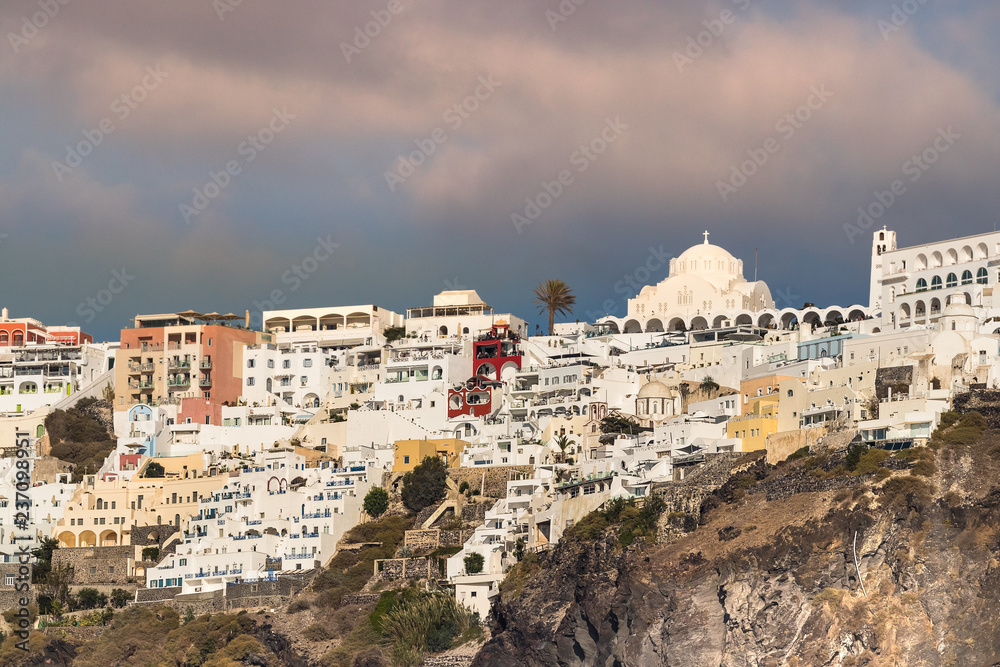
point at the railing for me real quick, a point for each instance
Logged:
(205, 382)
(176, 363)
(205, 364)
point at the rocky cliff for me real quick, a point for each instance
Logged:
(769, 578)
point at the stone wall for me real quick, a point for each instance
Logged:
(489, 481)
(96, 565)
(10, 597)
(394, 569)
(157, 594)
(897, 378)
(780, 445)
(75, 633)
(475, 512)
(152, 536)
(434, 538)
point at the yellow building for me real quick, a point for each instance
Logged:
(102, 513)
(409, 453)
(759, 420)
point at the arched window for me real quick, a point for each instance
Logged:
(966, 277)
(4, 337)
(936, 282)
(981, 277)
(952, 280)
(18, 338)
(922, 284)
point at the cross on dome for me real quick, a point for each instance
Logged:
(706, 237)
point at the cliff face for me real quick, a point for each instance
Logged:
(773, 582)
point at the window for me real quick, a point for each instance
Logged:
(111, 569)
(251, 382)
(304, 379)
(287, 363)
(936, 282)
(307, 363)
(251, 363)
(966, 277)
(9, 580)
(921, 284)
(270, 363)
(406, 459)
(981, 278)
(93, 569)
(952, 280)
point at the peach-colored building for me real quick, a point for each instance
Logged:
(171, 357)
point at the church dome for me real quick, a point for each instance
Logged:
(711, 262)
(957, 307)
(654, 389)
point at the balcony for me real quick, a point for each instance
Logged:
(206, 364)
(206, 381)
(180, 363)
(179, 381)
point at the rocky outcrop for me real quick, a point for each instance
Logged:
(784, 590)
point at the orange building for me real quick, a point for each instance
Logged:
(170, 357)
(762, 386)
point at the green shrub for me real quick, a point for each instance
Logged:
(799, 453)
(425, 485)
(869, 461)
(376, 502)
(924, 468)
(854, 455)
(427, 623)
(474, 563)
(316, 633)
(463, 487)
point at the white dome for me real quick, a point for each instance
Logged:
(654, 389)
(957, 307)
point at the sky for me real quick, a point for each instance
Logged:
(231, 156)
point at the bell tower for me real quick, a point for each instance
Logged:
(883, 241)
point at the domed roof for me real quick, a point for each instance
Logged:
(654, 389)
(957, 307)
(706, 251)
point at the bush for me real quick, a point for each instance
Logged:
(869, 461)
(119, 598)
(376, 502)
(425, 484)
(854, 455)
(899, 490)
(153, 470)
(474, 563)
(799, 453)
(428, 623)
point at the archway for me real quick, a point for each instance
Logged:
(744, 320)
(765, 321)
(88, 539)
(719, 321)
(654, 325)
(632, 326)
(677, 324)
(699, 322)
(109, 538)
(67, 539)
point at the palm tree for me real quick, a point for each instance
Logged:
(554, 296)
(563, 443)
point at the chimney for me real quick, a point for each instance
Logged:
(248, 319)
(5, 314)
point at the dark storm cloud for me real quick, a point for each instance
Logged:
(413, 148)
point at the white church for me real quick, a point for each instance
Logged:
(706, 289)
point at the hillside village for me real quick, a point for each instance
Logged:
(202, 465)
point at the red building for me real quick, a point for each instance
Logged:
(471, 399)
(495, 351)
(28, 331)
